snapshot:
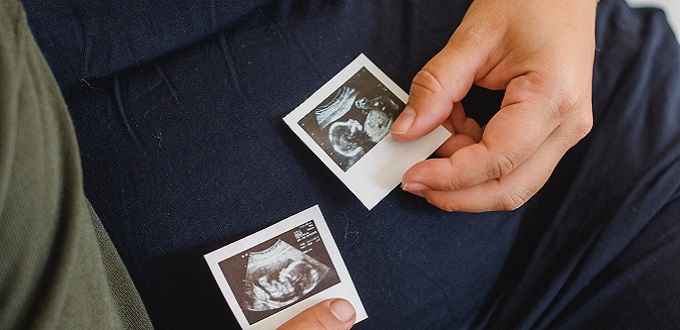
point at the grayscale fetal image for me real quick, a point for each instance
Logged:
(279, 276)
(280, 272)
(353, 119)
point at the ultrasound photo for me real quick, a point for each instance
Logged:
(353, 119)
(346, 124)
(280, 272)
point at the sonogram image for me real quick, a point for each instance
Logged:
(280, 272)
(280, 276)
(352, 120)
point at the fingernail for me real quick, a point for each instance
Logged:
(404, 122)
(342, 310)
(414, 186)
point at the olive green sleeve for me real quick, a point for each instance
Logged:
(58, 267)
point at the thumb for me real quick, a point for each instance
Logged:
(443, 81)
(330, 314)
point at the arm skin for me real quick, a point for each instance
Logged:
(541, 53)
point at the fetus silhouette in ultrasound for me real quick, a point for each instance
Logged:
(352, 120)
(280, 276)
(350, 138)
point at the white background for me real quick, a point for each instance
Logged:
(671, 7)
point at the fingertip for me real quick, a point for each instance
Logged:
(404, 122)
(414, 187)
(425, 174)
(342, 310)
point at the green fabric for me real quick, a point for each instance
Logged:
(58, 268)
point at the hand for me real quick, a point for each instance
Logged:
(541, 53)
(331, 314)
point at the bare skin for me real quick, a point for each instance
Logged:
(541, 53)
(331, 314)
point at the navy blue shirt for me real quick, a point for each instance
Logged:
(178, 110)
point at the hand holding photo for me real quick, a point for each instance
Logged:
(269, 277)
(346, 123)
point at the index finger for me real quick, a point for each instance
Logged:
(511, 137)
(442, 82)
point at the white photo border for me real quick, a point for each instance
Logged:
(381, 169)
(344, 289)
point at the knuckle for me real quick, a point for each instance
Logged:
(513, 199)
(305, 321)
(561, 101)
(571, 100)
(500, 166)
(475, 34)
(454, 182)
(447, 205)
(427, 82)
(316, 323)
(510, 204)
(583, 123)
(568, 99)
(580, 123)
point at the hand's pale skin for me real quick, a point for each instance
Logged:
(541, 53)
(331, 314)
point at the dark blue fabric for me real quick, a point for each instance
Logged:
(600, 262)
(95, 39)
(187, 152)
